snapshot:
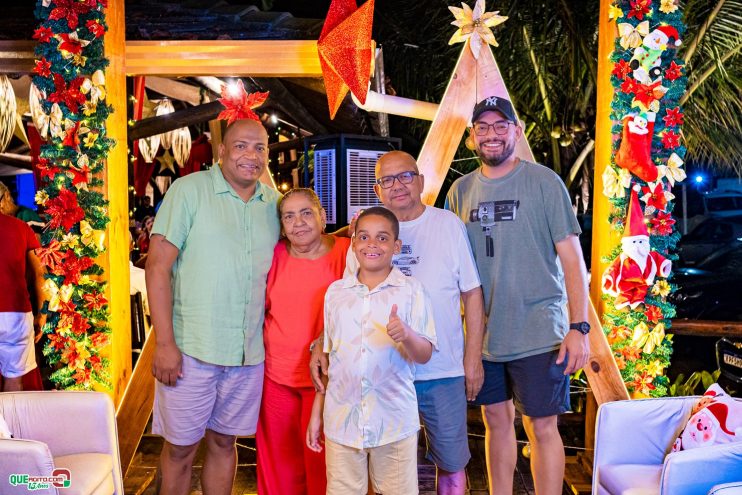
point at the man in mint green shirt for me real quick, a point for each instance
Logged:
(210, 252)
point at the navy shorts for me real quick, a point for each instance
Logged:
(536, 384)
(442, 406)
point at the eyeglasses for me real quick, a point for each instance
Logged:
(388, 180)
(482, 128)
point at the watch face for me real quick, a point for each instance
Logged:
(582, 327)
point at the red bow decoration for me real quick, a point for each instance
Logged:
(50, 255)
(345, 51)
(240, 106)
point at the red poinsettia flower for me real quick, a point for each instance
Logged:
(642, 383)
(239, 105)
(621, 69)
(629, 86)
(655, 197)
(618, 333)
(94, 301)
(96, 28)
(647, 93)
(674, 71)
(653, 313)
(42, 67)
(72, 267)
(662, 223)
(64, 211)
(620, 362)
(95, 363)
(71, 138)
(673, 117)
(670, 140)
(57, 342)
(79, 175)
(69, 10)
(631, 353)
(639, 8)
(69, 95)
(43, 34)
(99, 339)
(82, 375)
(50, 255)
(70, 44)
(46, 172)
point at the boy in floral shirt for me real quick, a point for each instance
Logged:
(378, 323)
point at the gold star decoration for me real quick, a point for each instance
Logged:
(167, 162)
(474, 25)
(615, 12)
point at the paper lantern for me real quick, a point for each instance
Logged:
(7, 112)
(182, 146)
(38, 117)
(148, 147)
(165, 107)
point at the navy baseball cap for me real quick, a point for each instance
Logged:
(495, 104)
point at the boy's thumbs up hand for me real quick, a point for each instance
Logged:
(396, 328)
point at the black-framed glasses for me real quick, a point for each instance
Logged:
(388, 180)
(500, 128)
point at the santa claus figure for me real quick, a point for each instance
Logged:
(630, 275)
(635, 151)
(647, 58)
(707, 427)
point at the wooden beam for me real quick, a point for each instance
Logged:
(256, 58)
(175, 89)
(136, 405)
(180, 118)
(707, 328)
(116, 188)
(20, 161)
(16, 56)
(291, 105)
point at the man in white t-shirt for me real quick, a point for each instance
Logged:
(436, 251)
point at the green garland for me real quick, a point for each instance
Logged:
(69, 73)
(638, 337)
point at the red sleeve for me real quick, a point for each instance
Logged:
(32, 242)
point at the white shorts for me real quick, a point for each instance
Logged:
(17, 356)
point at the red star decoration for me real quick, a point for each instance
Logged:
(72, 267)
(653, 313)
(673, 117)
(670, 140)
(69, 95)
(656, 197)
(647, 93)
(95, 28)
(639, 8)
(621, 69)
(43, 34)
(64, 211)
(42, 67)
(79, 175)
(69, 10)
(662, 224)
(674, 71)
(629, 86)
(345, 51)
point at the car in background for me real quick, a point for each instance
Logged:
(709, 272)
(723, 203)
(706, 246)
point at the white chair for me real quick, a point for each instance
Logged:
(632, 441)
(65, 429)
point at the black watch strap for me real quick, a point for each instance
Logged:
(581, 326)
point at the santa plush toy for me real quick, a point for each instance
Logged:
(647, 58)
(631, 274)
(707, 427)
(635, 151)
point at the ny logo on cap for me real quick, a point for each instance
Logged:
(491, 101)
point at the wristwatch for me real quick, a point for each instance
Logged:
(314, 343)
(581, 326)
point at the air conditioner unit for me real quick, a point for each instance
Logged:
(344, 173)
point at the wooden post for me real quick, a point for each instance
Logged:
(117, 191)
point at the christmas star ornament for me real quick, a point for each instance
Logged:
(474, 25)
(167, 162)
(346, 51)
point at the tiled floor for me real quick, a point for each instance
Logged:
(141, 475)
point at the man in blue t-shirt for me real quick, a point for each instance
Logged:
(524, 235)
